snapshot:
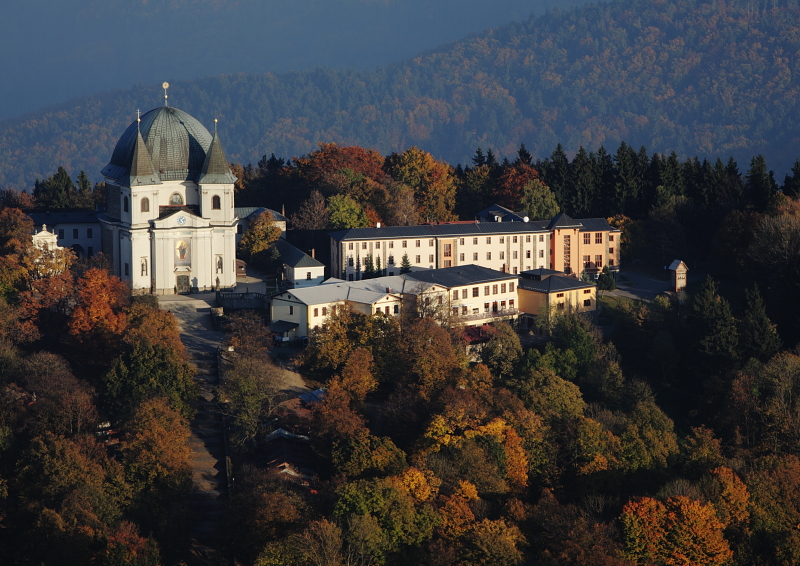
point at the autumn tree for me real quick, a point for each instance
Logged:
(429, 356)
(433, 182)
(510, 188)
(678, 531)
(256, 241)
(98, 317)
(156, 454)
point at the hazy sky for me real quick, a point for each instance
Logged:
(52, 51)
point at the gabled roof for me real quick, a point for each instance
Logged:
(460, 275)
(676, 264)
(293, 257)
(562, 220)
(215, 167)
(333, 293)
(248, 211)
(553, 284)
(540, 274)
(141, 170)
(403, 284)
(503, 214)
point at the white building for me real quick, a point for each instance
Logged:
(170, 223)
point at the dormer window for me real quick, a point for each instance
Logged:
(145, 205)
(176, 199)
(216, 203)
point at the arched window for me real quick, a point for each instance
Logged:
(125, 204)
(145, 205)
(215, 202)
(176, 199)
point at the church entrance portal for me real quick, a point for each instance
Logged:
(183, 284)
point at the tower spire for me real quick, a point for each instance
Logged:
(165, 86)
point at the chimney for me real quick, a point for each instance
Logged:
(313, 255)
(378, 225)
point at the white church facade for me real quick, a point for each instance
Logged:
(170, 222)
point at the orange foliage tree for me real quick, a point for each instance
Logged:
(98, 316)
(680, 531)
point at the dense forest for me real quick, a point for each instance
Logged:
(227, 36)
(698, 78)
(655, 433)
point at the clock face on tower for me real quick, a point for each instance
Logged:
(181, 220)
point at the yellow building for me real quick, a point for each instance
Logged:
(549, 292)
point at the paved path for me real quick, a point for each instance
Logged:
(641, 287)
(206, 440)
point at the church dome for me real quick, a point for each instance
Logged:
(176, 142)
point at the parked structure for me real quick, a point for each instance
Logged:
(562, 243)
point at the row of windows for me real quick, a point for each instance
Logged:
(75, 233)
(176, 199)
(587, 237)
(432, 242)
(461, 257)
(476, 290)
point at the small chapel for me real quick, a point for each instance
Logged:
(170, 222)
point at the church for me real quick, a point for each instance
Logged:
(170, 222)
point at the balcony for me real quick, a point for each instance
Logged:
(507, 313)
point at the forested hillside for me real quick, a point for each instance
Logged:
(694, 77)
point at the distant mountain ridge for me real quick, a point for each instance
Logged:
(699, 78)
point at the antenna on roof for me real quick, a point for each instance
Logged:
(215, 125)
(165, 86)
(138, 118)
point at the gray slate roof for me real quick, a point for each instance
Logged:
(488, 214)
(553, 284)
(293, 257)
(562, 220)
(56, 218)
(440, 230)
(323, 294)
(471, 229)
(461, 275)
(141, 171)
(540, 273)
(403, 284)
(248, 211)
(176, 142)
(215, 168)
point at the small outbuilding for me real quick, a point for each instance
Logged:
(679, 271)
